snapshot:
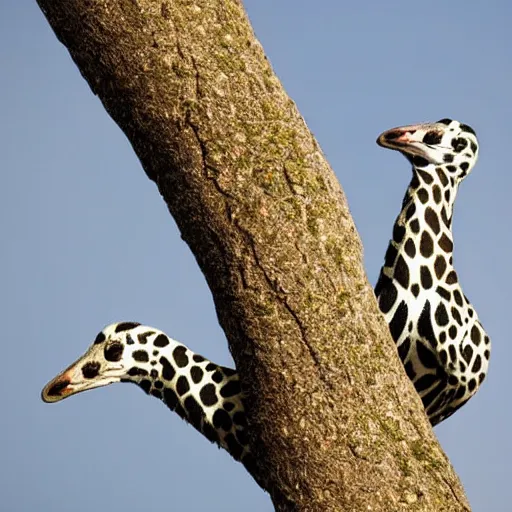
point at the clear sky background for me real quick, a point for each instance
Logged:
(86, 240)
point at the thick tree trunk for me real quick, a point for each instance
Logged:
(335, 423)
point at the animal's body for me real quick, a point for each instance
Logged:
(440, 340)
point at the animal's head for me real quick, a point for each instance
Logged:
(446, 143)
(115, 355)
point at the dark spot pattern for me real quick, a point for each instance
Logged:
(451, 278)
(467, 353)
(419, 161)
(143, 337)
(415, 289)
(114, 351)
(196, 374)
(410, 248)
(476, 336)
(426, 277)
(401, 273)
(432, 138)
(126, 326)
(467, 128)
(458, 297)
(210, 433)
(232, 388)
(100, 338)
(415, 226)
(91, 370)
(432, 220)
(440, 266)
(426, 245)
(141, 356)
(444, 217)
(221, 419)
(477, 365)
(233, 446)
(161, 341)
(398, 234)
(135, 371)
(217, 377)
(397, 324)
(179, 355)
(436, 193)
(168, 371)
(443, 292)
(208, 395)
(58, 387)
(459, 144)
(195, 412)
(182, 385)
(409, 369)
(441, 315)
(425, 176)
(386, 292)
(403, 349)
(410, 212)
(442, 177)
(456, 315)
(425, 382)
(425, 329)
(422, 195)
(390, 257)
(170, 398)
(145, 385)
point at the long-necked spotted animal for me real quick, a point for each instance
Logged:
(443, 347)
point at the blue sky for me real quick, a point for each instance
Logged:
(87, 241)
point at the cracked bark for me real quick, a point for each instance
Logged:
(335, 423)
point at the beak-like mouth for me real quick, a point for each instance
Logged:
(402, 139)
(76, 378)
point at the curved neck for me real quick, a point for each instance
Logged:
(428, 206)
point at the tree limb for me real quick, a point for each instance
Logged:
(335, 423)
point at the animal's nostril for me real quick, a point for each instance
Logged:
(57, 388)
(395, 134)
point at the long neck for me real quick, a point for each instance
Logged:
(420, 252)
(206, 395)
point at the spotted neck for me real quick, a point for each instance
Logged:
(423, 230)
(206, 395)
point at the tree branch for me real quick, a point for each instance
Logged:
(335, 424)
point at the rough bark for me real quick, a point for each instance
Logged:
(335, 423)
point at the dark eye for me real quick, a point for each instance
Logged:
(114, 351)
(432, 138)
(459, 144)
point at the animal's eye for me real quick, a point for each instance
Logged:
(114, 351)
(459, 144)
(432, 138)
